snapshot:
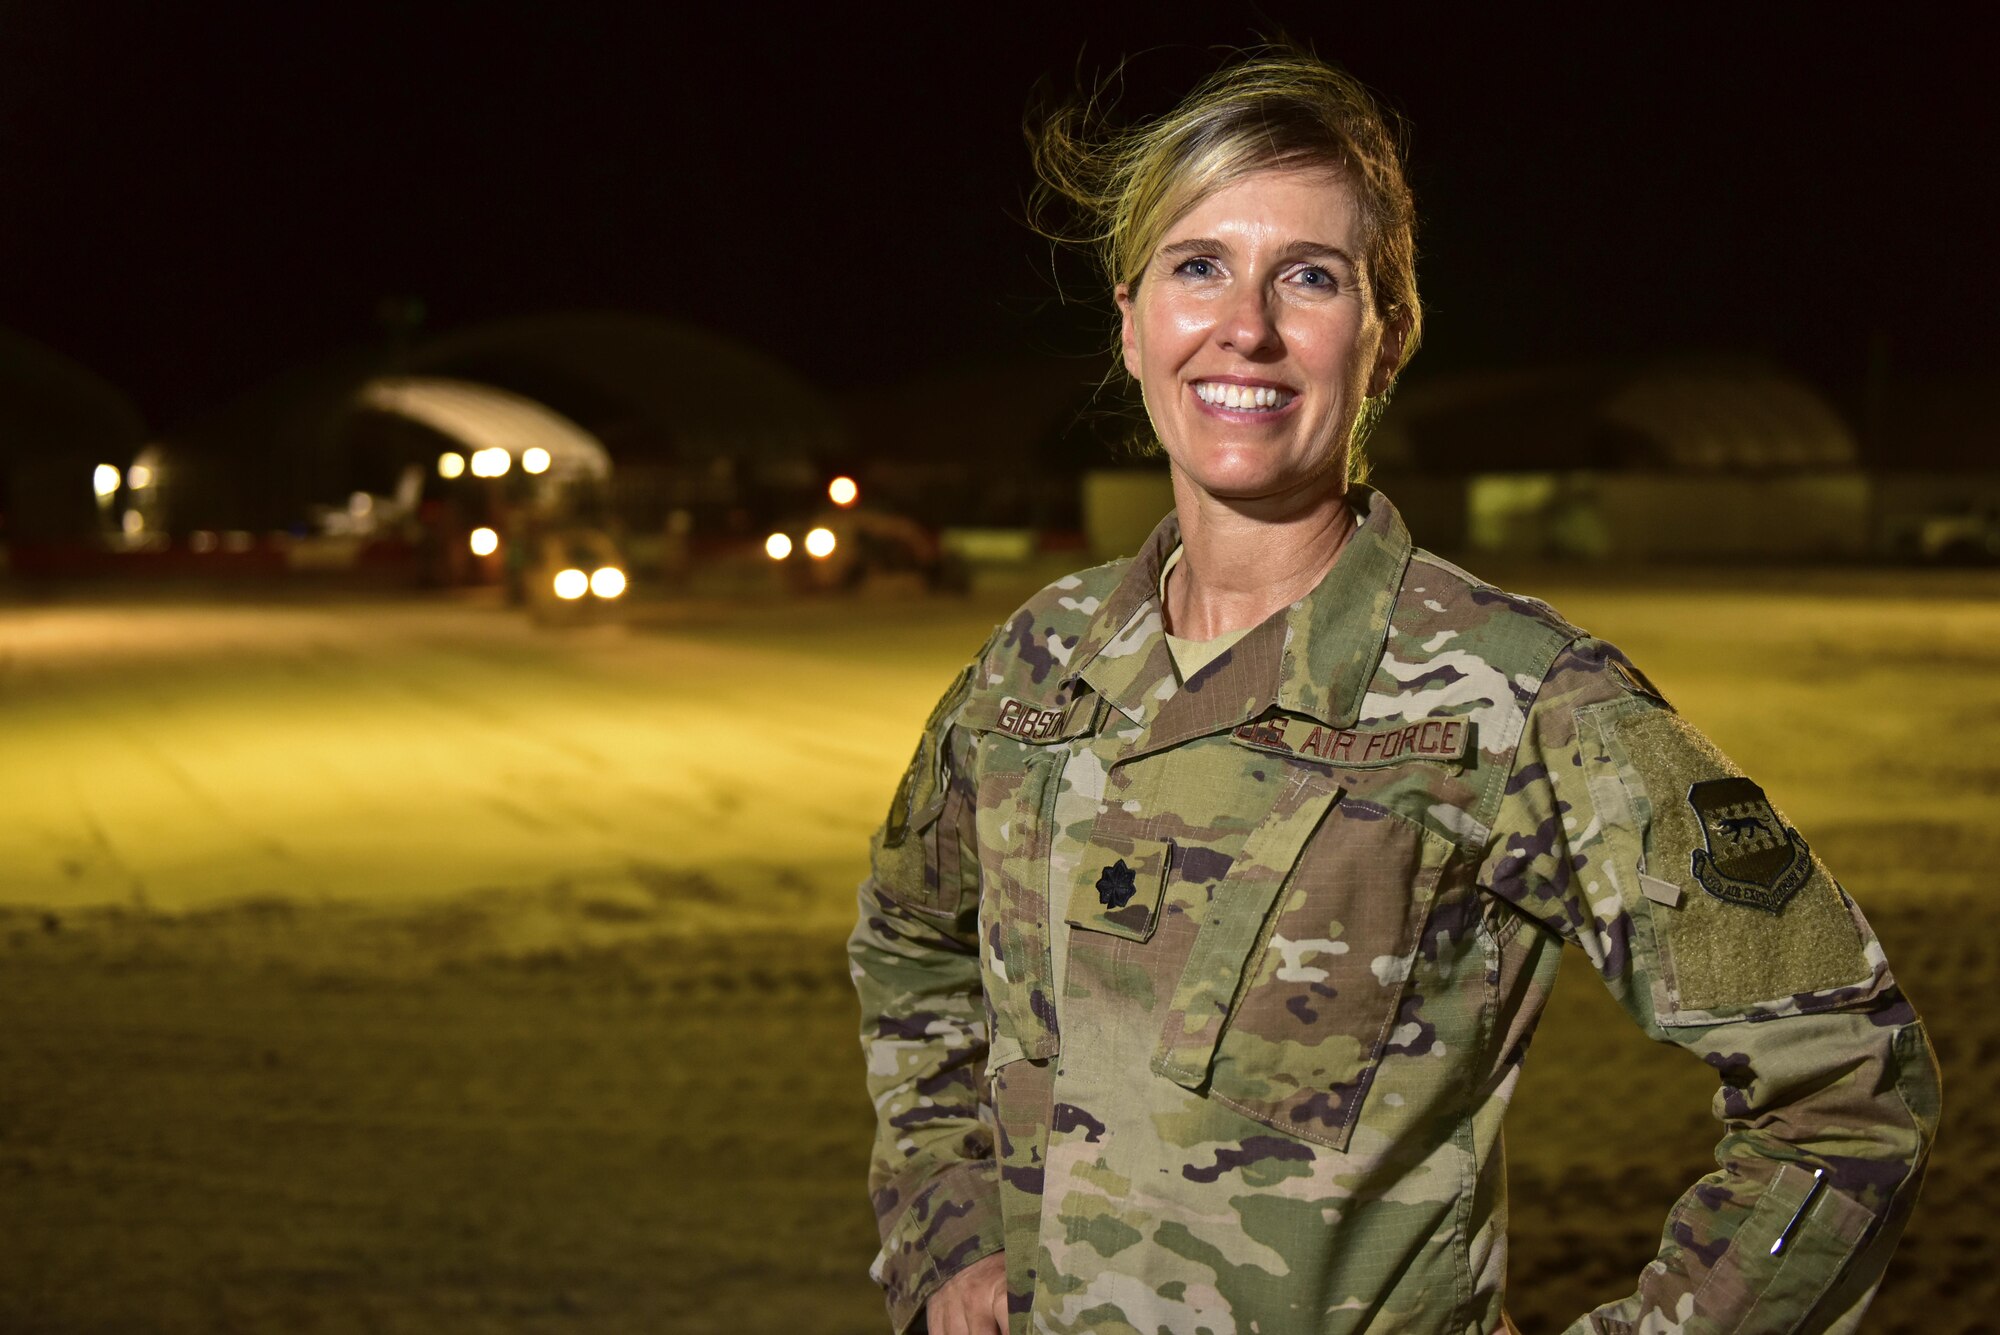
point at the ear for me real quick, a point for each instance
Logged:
(1389, 357)
(1128, 334)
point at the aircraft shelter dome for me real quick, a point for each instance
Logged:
(1737, 416)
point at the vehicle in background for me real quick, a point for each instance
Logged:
(572, 574)
(1970, 537)
(848, 547)
(543, 531)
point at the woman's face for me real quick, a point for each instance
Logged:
(1254, 337)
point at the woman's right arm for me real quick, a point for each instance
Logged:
(914, 955)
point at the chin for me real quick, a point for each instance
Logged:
(1238, 478)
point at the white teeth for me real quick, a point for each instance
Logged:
(1242, 398)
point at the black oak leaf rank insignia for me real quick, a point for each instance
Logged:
(1116, 885)
(1752, 858)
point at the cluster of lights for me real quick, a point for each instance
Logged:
(491, 462)
(605, 582)
(819, 545)
(105, 479)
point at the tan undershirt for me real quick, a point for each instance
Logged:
(1191, 656)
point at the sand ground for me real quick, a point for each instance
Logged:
(393, 966)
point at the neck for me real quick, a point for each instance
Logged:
(1237, 566)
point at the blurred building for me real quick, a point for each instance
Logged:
(688, 418)
(1674, 459)
(355, 447)
(673, 437)
(1930, 450)
(1695, 459)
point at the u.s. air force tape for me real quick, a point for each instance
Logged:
(1445, 740)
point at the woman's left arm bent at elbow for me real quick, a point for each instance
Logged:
(1716, 928)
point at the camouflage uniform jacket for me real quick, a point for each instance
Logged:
(1204, 1000)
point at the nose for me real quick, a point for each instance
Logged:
(1248, 326)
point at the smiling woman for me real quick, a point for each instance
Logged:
(1207, 931)
(1134, 189)
(1255, 340)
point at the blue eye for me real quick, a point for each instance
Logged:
(1196, 268)
(1314, 276)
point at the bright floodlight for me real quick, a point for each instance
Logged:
(777, 546)
(451, 465)
(105, 480)
(819, 542)
(842, 491)
(571, 585)
(491, 462)
(138, 476)
(485, 542)
(607, 581)
(534, 459)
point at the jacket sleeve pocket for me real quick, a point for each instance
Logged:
(916, 854)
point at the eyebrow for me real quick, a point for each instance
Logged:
(1200, 245)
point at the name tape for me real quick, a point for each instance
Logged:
(1029, 723)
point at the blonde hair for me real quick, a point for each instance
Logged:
(1277, 108)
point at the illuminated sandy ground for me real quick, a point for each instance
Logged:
(398, 967)
(178, 758)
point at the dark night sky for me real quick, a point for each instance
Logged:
(194, 197)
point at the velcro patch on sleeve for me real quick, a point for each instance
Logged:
(1746, 920)
(1444, 740)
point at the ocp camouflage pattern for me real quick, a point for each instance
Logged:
(1262, 1091)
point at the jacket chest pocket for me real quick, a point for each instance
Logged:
(1294, 990)
(1016, 786)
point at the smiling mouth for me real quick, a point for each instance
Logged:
(1243, 398)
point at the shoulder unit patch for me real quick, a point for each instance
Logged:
(1752, 857)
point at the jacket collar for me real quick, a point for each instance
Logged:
(1314, 658)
